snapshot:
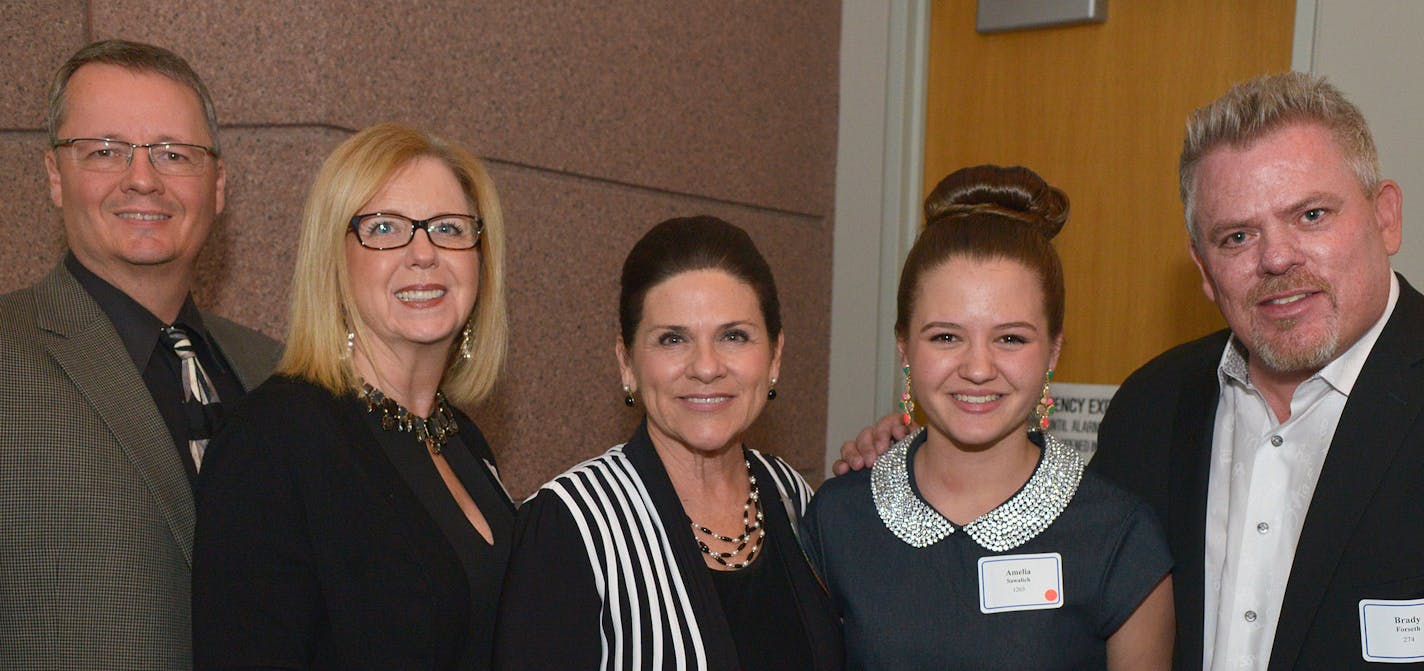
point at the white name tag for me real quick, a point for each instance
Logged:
(1020, 582)
(1392, 631)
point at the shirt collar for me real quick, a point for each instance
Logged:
(1340, 373)
(137, 327)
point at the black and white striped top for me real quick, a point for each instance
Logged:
(605, 572)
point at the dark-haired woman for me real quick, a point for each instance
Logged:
(677, 549)
(975, 543)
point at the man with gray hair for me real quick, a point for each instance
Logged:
(1285, 454)
(113, 379)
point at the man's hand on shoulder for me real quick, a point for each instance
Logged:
(872, 442)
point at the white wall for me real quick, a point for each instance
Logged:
(879, 163)
(1373, 50)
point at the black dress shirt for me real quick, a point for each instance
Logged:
(156, 362)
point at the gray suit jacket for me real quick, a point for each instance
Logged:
(96, 513)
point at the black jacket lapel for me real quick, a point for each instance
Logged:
(1385, 402)
(716, 634)
(1191, 436)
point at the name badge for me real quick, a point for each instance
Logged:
(1392, 631)
(1020, 582)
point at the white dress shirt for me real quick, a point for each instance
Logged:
(1262, 478)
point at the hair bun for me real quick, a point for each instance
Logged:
(1015, 193)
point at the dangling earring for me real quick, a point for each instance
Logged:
(467, 341)
(628, 396)
(771, 392)
(350, 344)
(907, 404)
(1046, 406)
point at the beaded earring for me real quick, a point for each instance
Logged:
(1046, 405)
(771, 392)
(350, 345)
(628, 396)
(907, 404)
(467, 341)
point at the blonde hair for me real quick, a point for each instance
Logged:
(1251, 110)
(323, 306)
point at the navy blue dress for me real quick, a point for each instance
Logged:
(918, 608)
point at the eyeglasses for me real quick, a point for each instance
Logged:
(380, 230)
(105, 155)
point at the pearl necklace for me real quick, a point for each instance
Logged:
(752, 535)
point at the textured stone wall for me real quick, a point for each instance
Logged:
(598, 119)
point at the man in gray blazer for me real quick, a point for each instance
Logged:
(96, 501)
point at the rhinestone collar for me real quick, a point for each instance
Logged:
(1011, 524)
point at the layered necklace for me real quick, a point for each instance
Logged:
(433, 430)
(752, 535)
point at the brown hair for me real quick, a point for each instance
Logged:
(989, 212)
(135, 56)
(685, 244)
(1251, 110)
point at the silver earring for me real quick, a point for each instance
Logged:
(467, 342)
(350, 345)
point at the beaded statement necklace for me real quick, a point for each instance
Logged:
(433, 431)
(752, 534)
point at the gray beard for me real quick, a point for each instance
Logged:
(1290, 359)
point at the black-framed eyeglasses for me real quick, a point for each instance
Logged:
(383, 230)
(106, 155)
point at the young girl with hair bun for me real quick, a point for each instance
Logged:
(979, 542)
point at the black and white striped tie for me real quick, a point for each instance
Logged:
(200, 397)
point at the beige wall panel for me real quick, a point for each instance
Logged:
(1099, 110)
(599, 120)
(246, 268)
(35, 37)
(561, 401)
(733, 101)
(28, 214)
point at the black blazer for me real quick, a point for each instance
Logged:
(312, 552)
(1363, 536)
(554, 615)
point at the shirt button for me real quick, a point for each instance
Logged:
(1250, 616)
(1262, 528)
(1277, 440)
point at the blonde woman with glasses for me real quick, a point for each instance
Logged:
(350, 516)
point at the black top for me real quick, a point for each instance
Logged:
(760, 608)
(156, 362)
(323, 543)
(412, 460)
(918, 608)
(606, 573)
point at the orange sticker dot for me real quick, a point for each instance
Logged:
(1050, 595)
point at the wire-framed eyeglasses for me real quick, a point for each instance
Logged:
(107, 155)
